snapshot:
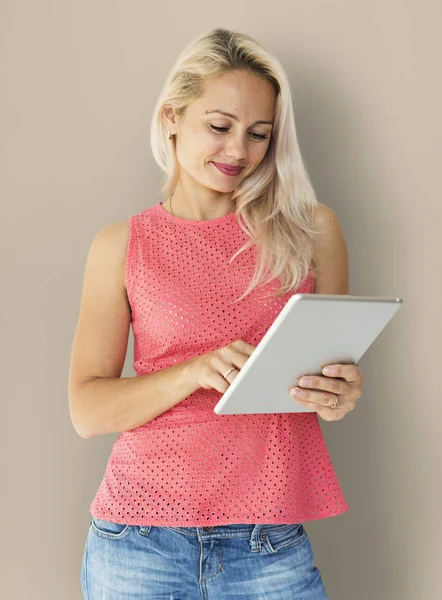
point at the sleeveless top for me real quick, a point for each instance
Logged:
(190, 466)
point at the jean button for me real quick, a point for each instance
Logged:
(207, 528)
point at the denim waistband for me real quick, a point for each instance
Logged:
(252, 531)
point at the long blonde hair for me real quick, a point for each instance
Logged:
(275, 205)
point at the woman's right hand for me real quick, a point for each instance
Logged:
(208, 370)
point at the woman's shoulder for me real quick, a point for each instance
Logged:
(114, 239)
(325, 216)
(330, 253)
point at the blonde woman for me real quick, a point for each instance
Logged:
(193, 504)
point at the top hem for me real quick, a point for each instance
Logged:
(221, 522)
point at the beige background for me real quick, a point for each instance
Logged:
(78, 82)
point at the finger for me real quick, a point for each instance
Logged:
(314, 396)
(350, 373)
(328, 384)
(243, 346)
(224, 366)
(331, 414)
(232, 376)
(326, 413)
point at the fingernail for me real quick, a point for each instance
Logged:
(299, 393)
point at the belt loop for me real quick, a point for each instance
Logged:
(255, 539)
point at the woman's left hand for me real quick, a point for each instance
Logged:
(344, 383)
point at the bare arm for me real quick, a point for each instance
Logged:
(109, 404)
(100, 401)
(331, 255)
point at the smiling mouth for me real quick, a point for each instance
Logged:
(228, 169)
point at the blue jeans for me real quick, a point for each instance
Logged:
(224, 562)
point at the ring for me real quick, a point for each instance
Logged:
(336, 403)
(225, 376)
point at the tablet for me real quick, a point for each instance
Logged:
(311, 331)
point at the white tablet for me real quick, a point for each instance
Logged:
(311, 331)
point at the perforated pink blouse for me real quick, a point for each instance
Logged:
(190, 466)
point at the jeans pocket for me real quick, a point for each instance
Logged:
(110, 530)
(281, 537)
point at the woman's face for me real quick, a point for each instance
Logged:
(240, 141)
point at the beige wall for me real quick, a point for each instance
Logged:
(78, 83)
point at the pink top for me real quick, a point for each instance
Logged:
(190, 466)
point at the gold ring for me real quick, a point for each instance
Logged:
(335, 404)
(225, 376)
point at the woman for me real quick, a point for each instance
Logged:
(193, 504)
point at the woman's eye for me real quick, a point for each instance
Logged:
(223, 129)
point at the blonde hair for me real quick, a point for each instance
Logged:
(276, 203)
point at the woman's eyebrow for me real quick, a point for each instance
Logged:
(223, 112)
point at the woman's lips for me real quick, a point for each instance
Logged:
(228, 170)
